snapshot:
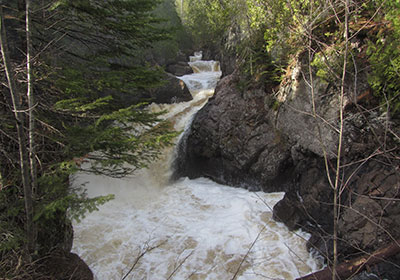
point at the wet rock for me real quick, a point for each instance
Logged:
(287, 212)
(63, 265)
(173, 90)
(232, 141)
(371, 218)
(361, 229)
(307, 204)
(179, 68)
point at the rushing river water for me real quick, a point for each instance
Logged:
(189, 229)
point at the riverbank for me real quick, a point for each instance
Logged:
(269, 139)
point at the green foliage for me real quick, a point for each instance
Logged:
(79, 204)
(12, 237)
(209, 20)
(79, 104)
(256, 13)
(130, 22)
(319, 63)
(63, 200)
(256, 64)
(54, 188)
(384, 56)
(276, 105)
(166, 51)
(91, 79)
(238, 28)
(12, 234)
(278, 23)
(102, 94)
(58, 204)
(288, 25)
(328, 63)
(73, 83)
(113, 142)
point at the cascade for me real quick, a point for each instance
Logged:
(187, 229)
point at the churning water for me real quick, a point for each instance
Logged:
(189, 229)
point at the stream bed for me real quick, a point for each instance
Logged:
(188, 229)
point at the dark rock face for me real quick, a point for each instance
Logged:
(239, 139)
(179, 69)
(294, 117)
(375, 197)
(307, 200)
(173, 90)
(219, 148)
(57, 262)
(63, 266)
(227, 60)
(56, 232)
(368, 186)
(228, 63)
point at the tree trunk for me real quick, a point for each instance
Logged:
(19, 122)
(338, 188)
(31, 107)
(349, 268)
(31, 100)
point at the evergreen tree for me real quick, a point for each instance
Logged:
(86, 68)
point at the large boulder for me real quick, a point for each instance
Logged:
(233, 141)
(62, 265)
(179, 68)
(171, 91)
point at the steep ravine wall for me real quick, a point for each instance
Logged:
(248, 138)
(230, 138)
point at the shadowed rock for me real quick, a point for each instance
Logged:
(172, 91)
(232, 141)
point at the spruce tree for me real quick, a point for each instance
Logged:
(90, 79)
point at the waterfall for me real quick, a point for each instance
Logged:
(187, 229)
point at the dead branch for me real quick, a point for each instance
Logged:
(180, 265)
(248, 252)
(147, 250)
(351, 267)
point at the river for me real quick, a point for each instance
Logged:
(188, 229)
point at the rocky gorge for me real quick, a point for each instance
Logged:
(286, 139)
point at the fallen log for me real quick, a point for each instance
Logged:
(351, 267)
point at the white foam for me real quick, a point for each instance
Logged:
(201, 66)
(180, 113)
(215, 224)
(201, 81)
(197, 56)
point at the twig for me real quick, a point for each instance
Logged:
(247, 253)
(148, 249)
(180, 264)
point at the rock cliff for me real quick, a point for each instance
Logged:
(288, 141)
(232, 139)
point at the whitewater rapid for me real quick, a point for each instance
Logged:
(188, 229)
